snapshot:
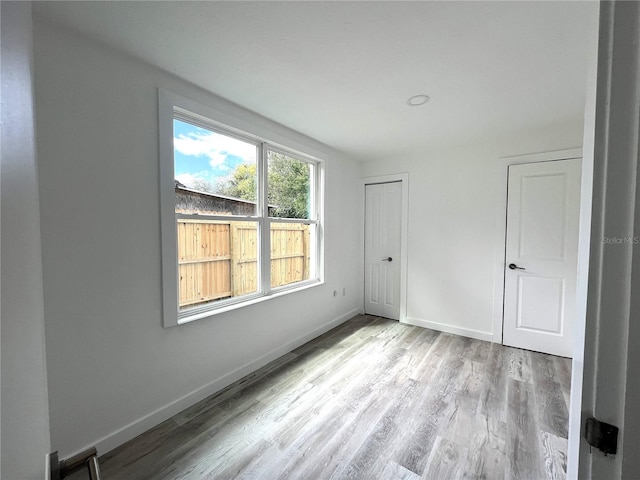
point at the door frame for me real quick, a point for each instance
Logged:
(609, 385)
(501, 225)
(404, 222)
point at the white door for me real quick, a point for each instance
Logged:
(541, 256)
(383, 217)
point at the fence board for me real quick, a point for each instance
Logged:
(245, 258)
(289, 253)
(218, 259)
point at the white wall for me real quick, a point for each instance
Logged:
(114, 370)
(453, 199)
(25, 420)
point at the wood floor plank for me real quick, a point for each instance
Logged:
(445, 461)
(333, 450)
(370, 458)
(470, 378)
(520, 365)
(371, 399)
(552, 408)
(486, 450)
(240, 467)
(347, 330)
(554, 451)
(138, 454)
(416, 353)
(398, 472)
(523, 451)
(348, 377)
(493, 396)
(433, 359)
(208, 449)
(481, 353)
(563, 375)
(436, 411)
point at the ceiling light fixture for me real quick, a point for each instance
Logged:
(418, 100)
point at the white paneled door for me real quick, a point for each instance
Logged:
(541, 256)
(383, 219)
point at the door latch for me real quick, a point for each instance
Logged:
(602, 436)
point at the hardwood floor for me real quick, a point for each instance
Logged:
(371, 399)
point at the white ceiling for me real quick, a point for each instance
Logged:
(341, 72)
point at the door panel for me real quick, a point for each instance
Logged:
(383, 213)
(542, 222)
(545, 317)
(542, 242)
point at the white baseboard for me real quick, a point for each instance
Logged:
(132, 430)
(443, 327)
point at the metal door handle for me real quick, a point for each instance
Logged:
(513, 266)
(388, 259)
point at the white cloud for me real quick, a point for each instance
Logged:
(214, 146)
(187, 179)
(194, 180)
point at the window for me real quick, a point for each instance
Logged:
(240, 216)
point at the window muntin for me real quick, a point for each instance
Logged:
(209, 282)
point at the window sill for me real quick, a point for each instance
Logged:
(246, 303)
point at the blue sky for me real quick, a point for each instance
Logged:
(201, 154)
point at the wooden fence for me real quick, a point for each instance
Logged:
(219, 259)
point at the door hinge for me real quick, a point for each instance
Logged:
(602, 436)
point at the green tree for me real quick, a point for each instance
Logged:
(242, 183)
(288, 185)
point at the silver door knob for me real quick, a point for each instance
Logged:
(388, 259)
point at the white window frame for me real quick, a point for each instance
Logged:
(173, 106)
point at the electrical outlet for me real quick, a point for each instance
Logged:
(335, 293)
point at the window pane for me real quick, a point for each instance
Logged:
(289, 186)
(216, 260)
(290, 253)
(215, 174)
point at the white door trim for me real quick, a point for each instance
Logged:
(501, 224)
(397, 177)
